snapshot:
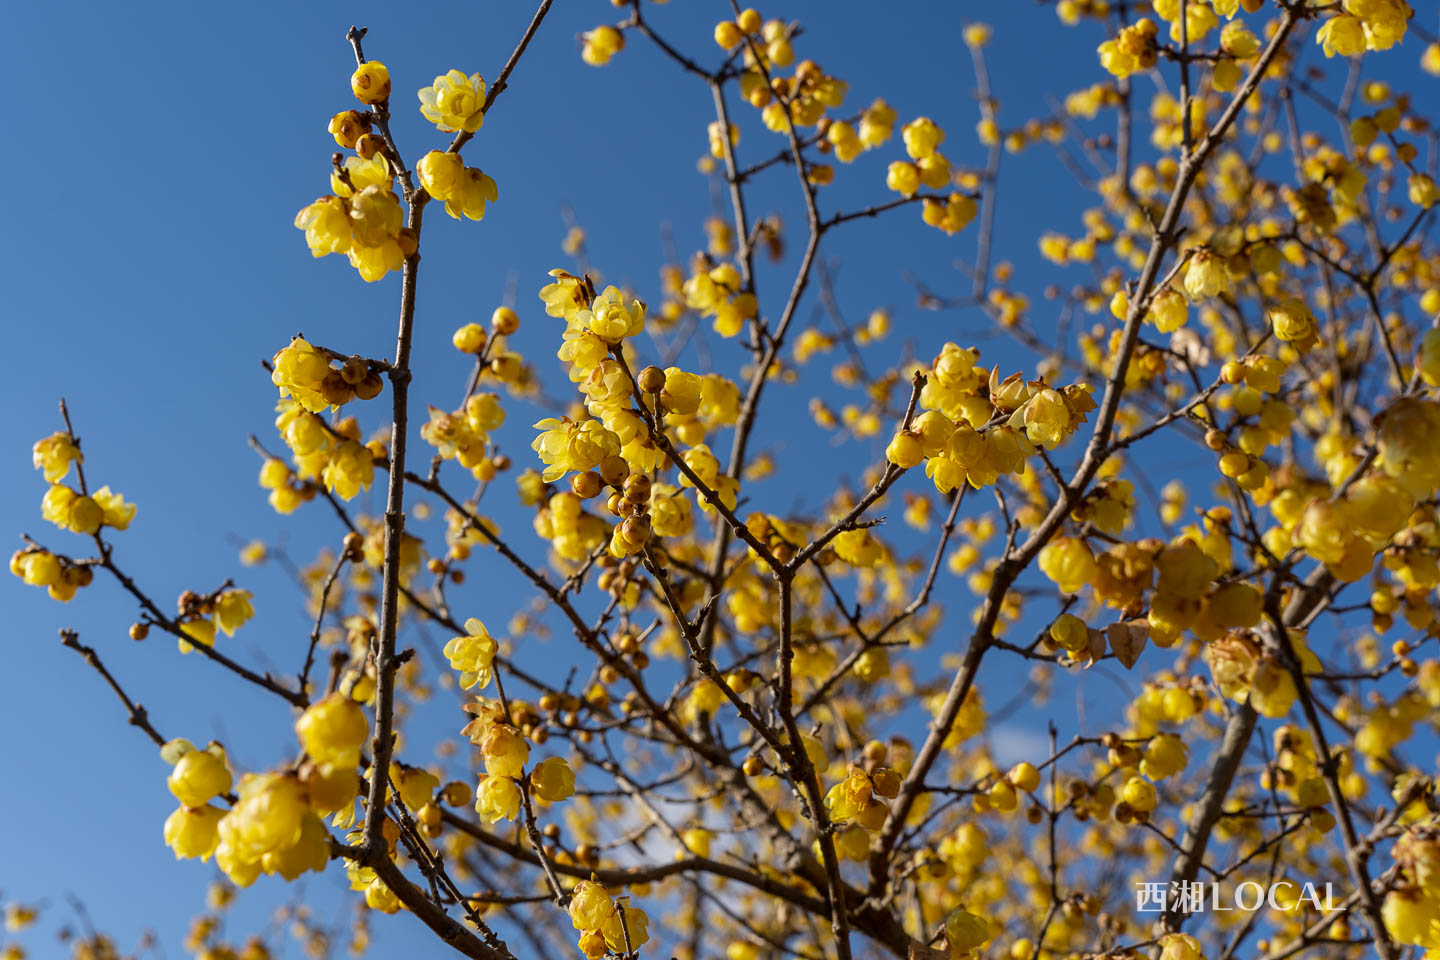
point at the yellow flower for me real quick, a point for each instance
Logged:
(453, 102)
(1272, 689)
(952, 216)
(905, 450)
(1139, 793)
(471, 194)
(309, 851)
(564, 445)
(634, 933)
(1324, 531)
(19, 916)
(359, 173)
(1423, 192)
(1227, 75)
(611, 319)
(471, 337)
(1044, 417)
(442, 175)
(326, 223)
(965, 932)
(1410, 915)
(934, 170)
(331, 786)
(497, 798)
(1180, 946)
(1342, 34)
(593, 945)
(845, 141)
(38, 568)
(858, 548)
(380, 897)
(1165, 756)
(473, 655)
(903, 178)
(1427, 360)
(232, 609)
(198, 775)
(1236, 605)
(299, 371)
(669, 512)
(116, 512)
(1291, 319)
(1384, 21)
(1408, 451)
(876, 124)
(681, 393)
(1070, 633)
(1132, 50)
(505, 750)
(1200, 18)
(921, 137)
(373, 262)
(1168, 311)
(1378, 507)
(846, 799)
(350, 469)
(601, 44)
(1069, 563)
(201, 631)
(268, 817)
(1430, 60)
(375, 215)
(565, 298)
(193, 831)
(552, 780)
(1205, 276)
(72, 511)
(54, 454)
(370, 82)
(333, 729)
(416, 785)
(1238, 41)
(590, 906)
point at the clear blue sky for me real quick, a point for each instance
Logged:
(161, 153)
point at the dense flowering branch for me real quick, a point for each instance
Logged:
(772, 703)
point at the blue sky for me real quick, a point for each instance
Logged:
(151, 264)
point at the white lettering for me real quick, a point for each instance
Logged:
(1215, 899)
(1259, 895)
(1274, 889)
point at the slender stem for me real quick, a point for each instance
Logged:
(139, 717)
(385, 660)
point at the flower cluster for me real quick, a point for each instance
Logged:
(464, 435)
(1132, 50)
(77, 511)
(323, 454)
(860, 796)
(1362, 25)
(1248, 524)
(957, 435)
(362, 219)
(464, 190)
(317, 380)
(606, 925)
